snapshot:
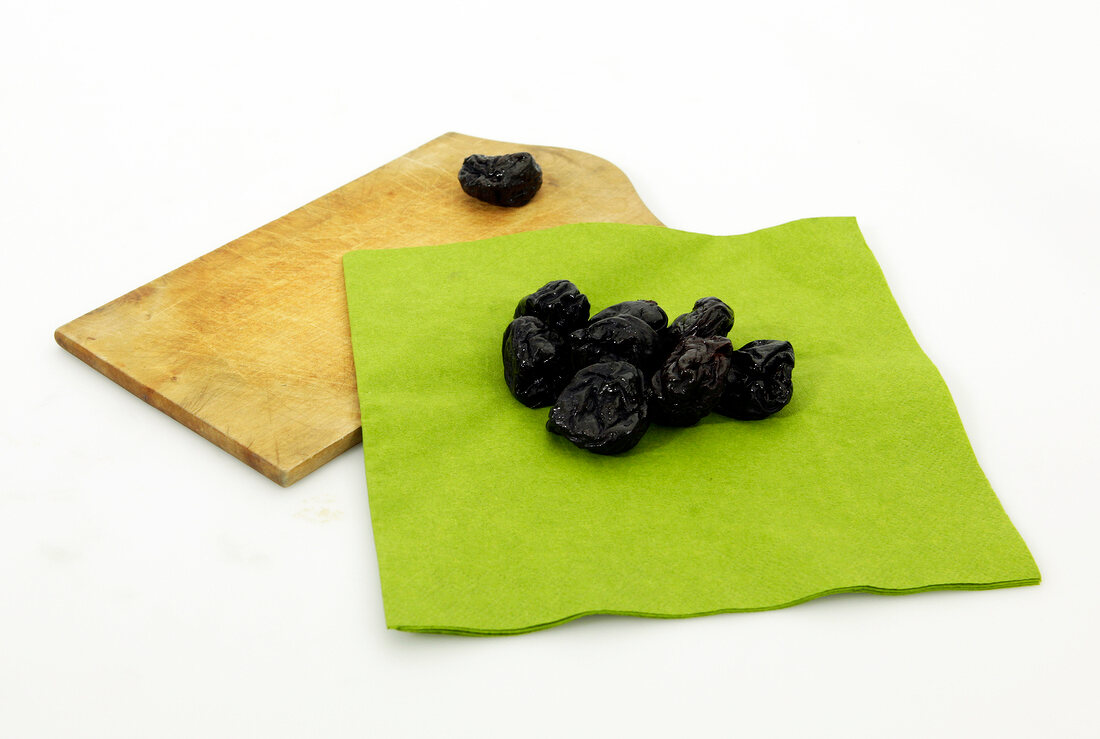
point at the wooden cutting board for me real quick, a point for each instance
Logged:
(249, 345)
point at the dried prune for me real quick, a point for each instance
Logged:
(603, 408)
(536, 361)
(709, 317)
(510, 180)
(690, 381)
(759, 381)
(559, 304)
(646, 310)
(619, 338)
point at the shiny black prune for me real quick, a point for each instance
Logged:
(646, 310)
(690, 381)
(709, 317)
(536, 361)
(603, 408)
(558, 304)
(616, 339)
(510, 180)
(759, 382)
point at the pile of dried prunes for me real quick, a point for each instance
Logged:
(608, 376)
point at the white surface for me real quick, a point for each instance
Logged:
(154, 586)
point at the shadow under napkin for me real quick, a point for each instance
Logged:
(485, 523)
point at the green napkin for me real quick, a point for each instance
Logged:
(485, 523)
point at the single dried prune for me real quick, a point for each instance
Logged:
(510, 179)
(690, 381)
(759, 381)
(536, 361)
(709, 317)
(603, 408)
(646, 310)
(559, 304)
(616, 339)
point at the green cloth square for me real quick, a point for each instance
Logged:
(485, 523)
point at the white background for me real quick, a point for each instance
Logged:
(152, 585)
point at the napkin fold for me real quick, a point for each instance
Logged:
(485, 523)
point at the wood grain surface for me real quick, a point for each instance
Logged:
(249, 345)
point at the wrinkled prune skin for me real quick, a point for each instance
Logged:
(536, 362)
(646, 310)
(510, 180)
(691, 380)
(603, 408)
(616, 339)
(558, 304)
(759, 382)
(709, 317)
